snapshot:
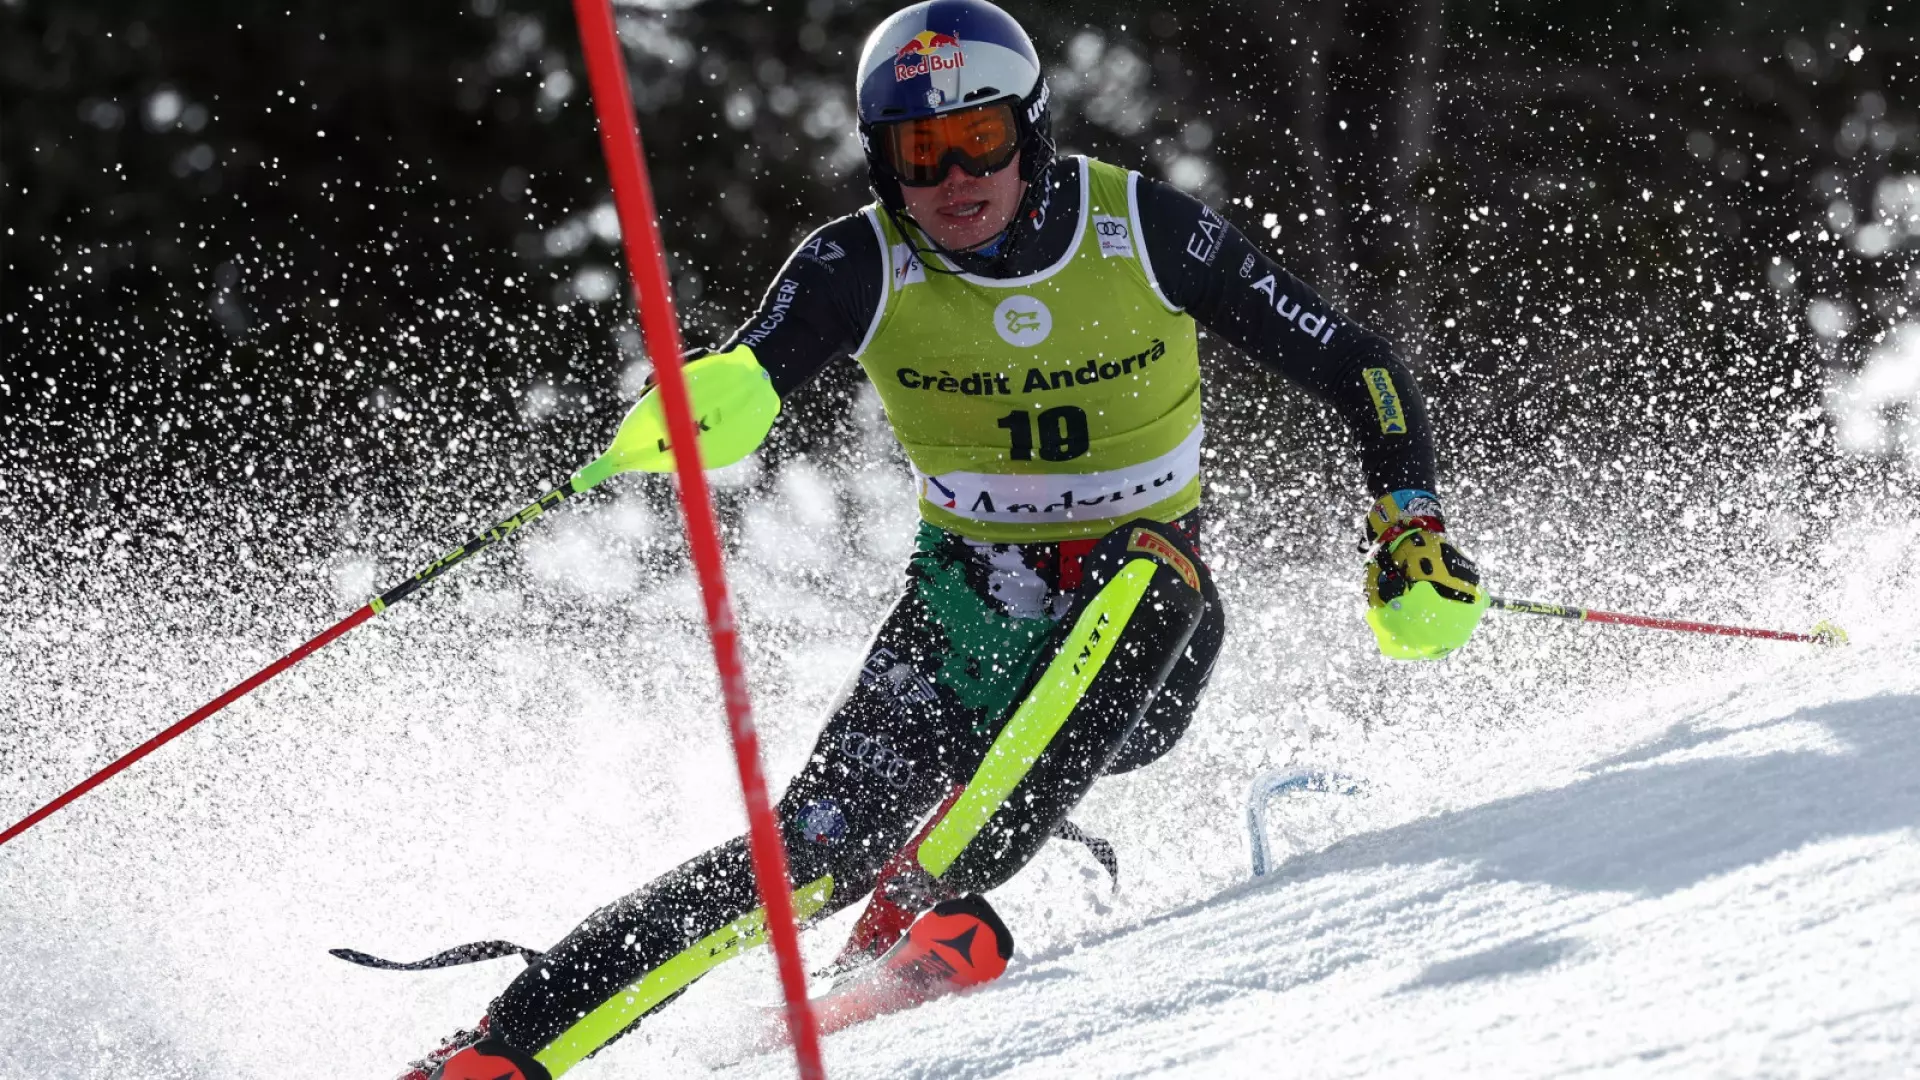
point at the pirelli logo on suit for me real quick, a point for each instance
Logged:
(1148, 542)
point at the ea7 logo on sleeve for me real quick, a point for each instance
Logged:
(1116, 236)
(886, 671)
(1148, 542)
(821, 250)
(1204, 244)
(1386, 400)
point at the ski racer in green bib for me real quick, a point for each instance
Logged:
(1029, 322)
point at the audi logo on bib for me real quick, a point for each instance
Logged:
(1115, 235)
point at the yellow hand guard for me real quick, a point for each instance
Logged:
(734, 406)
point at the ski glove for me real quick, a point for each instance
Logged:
(1423, 594)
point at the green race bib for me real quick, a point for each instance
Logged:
(1047, 407)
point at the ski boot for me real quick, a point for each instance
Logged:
(423, 1069)
(472, 1055)
(900, 893)
(958, 945)
(490, 1059)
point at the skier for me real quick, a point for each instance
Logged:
(1029, 323)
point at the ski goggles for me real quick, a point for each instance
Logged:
(980, 140)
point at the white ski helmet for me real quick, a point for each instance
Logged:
(943, 56)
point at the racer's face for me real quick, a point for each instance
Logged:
(963, 211)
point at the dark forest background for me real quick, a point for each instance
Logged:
(350, 246)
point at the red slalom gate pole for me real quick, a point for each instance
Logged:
(646, 260)
(1824, 634)
(502, 530)
(366, 612)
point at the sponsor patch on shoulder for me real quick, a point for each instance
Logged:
(1116, 236)
(1148, 542)
(1386, 401)
(1204, 244)
(906, 267)
(821, 250)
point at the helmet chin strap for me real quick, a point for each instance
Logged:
(968, 260)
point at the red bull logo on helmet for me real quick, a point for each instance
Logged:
(927, 52)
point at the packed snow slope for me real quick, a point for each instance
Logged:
(1735, 891)
(1581, 849)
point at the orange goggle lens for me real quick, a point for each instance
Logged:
(980, 140)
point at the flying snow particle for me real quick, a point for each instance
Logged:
(1873, 240)
(604, 220)
(593, 283)
(1828, 318)
(1861, 402)
(164, 107)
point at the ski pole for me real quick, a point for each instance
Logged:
(1824, 634)
(629, 445)
(653, 296)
